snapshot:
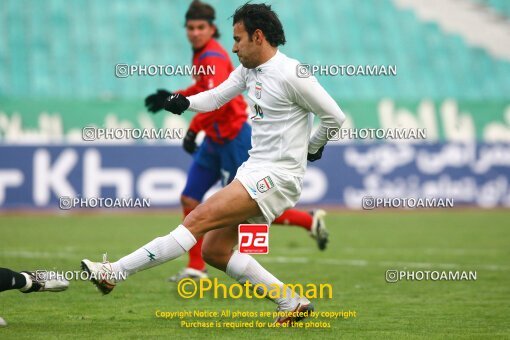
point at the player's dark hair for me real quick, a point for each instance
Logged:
(262, 17)
(201, 11)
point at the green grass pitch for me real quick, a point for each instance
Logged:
(363, 246)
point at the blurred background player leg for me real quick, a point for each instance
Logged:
(313, 221)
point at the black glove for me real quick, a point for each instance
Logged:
(315, 156)
(156, 101)
(176, 104)
(188, 143)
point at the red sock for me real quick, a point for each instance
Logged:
(195, 254)
(295, 217)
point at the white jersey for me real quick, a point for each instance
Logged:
(281, 103)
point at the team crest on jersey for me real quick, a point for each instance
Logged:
(258, 90)
(265, 184)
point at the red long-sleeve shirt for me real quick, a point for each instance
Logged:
(225, 122)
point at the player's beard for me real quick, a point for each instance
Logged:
(245, 63)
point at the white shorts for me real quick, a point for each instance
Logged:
(273, 191)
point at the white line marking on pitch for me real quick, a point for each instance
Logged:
(302, 260)
(428, 251)
(386, 264)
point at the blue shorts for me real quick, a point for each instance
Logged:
(214, 161)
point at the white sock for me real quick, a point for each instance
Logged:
(157, 251)
(28, 285)
(243, 267)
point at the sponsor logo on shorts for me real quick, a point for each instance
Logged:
(253, 238)
(265, 184)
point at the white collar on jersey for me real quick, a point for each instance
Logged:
(272, 59)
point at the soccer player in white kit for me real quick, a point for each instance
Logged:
(270, 181)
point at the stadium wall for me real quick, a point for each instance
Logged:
(475, 174)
